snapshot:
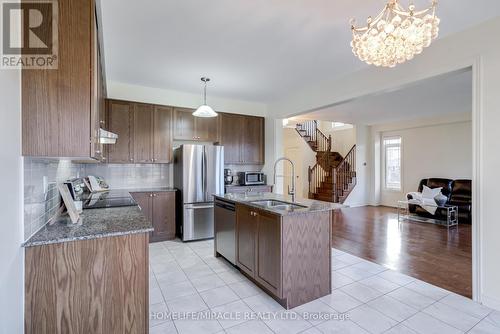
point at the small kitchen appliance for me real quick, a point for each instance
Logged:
(251, 178)
(228, 177)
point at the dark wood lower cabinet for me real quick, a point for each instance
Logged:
(88, 286)
(268, 272)
(288, 256)
(159, 208)
(245, 239)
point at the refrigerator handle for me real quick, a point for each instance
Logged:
(205, 174)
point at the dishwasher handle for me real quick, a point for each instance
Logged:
(225, 206)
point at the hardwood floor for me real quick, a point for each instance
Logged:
(428, 252)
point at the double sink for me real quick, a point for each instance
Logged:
(278, 205)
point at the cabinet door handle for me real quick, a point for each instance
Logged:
(150, 195)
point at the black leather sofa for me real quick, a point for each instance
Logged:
(458, 192)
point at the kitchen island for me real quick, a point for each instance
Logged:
(282, 246)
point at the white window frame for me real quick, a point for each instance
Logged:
(384, 159)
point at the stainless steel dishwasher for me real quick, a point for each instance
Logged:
(225, 229)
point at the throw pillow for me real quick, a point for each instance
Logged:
(430, 193)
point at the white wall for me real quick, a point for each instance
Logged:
(296, 149)
(360, 194)
(443, 150)
(343, 139)
(118, 90)
(457, 51)
(11, 236)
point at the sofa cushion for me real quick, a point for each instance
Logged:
(462, 189)
(430, 193)
(446, 184)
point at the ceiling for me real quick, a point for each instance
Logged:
(443, 95)
(255, 50)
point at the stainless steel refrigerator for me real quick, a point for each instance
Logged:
(198, 174)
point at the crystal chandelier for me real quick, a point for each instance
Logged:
(395, 35)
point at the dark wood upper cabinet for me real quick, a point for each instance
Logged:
(189, 127)
(162, 135)
(120, 121)
(207, 129)
(184, 124)
(231, 136)
(60, 116)
(246, 224)
(243, 139)
(143, 134)
(147, 134)
(253, 141)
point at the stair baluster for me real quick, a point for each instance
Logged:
(329, 179)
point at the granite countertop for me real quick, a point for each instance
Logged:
(310, 205)
(96, 223)
(243, 186)
(150, 189)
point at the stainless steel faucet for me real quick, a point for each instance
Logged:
(291, 192)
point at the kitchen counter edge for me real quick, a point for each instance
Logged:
(312, 205)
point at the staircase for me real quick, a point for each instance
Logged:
(333, 177)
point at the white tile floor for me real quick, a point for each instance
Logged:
(186, 277)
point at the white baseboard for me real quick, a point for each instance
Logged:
(490, 302)
(355, 205)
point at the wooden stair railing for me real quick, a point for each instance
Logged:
(314, 137)
(344, 177)
(333, 177)
(335, 184)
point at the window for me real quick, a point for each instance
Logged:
(340, 126)
(392, 152)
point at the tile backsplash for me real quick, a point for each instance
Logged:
(120, 176)
(42, 199)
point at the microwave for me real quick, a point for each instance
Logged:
(251, 178)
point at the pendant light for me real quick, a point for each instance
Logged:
(205, 110)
